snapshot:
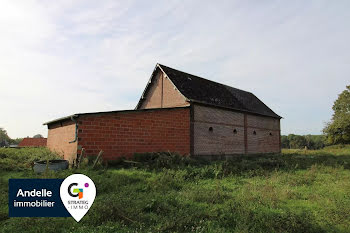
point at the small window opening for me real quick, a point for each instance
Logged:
(235, 131)
(270, 134)
(210, 129)
(254, 132)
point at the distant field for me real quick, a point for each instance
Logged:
(296, 191)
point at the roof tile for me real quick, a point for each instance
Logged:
(202, 90)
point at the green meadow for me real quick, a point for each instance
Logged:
(295, 191)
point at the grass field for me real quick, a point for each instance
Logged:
(296, 191)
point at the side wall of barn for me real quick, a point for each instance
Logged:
(162, 94)
(125, 133)
(222, 132)
(59, 136)
(217, 131)
(263, 134)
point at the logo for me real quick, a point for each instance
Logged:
(36, 198)
(77, 193)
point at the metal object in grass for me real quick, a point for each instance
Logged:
(53, 165)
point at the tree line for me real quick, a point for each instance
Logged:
(5, 140)
(337, 131)
(313, 142)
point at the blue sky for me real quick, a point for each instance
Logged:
(64, 57)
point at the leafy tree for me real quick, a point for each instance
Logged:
(38, 136)
(338, 129)
(284, 141)
(16, 141)
(293, 141)
(296, 141)
(4, 138)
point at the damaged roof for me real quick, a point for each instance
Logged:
(200, 90)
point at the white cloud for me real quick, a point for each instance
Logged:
(81, 56)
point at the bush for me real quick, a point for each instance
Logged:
(161, 160)
(312, 142)
(12, 159)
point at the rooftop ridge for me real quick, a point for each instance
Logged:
(201, 89)
(206, 79)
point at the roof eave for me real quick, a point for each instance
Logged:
(146, 88)
(110, 112)
(61, 119)
(238, 110)
(144, 93)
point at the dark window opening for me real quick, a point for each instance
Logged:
(254, 132)
(235, 131)
(210, 129)
(270, 134)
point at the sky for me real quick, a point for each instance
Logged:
(63, 57)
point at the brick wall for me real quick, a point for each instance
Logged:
(228, 132)
(162, 94)
(153, 98)
(171, 96)
(125, 133)
(59, 136)
(267, 137)
(227, 135)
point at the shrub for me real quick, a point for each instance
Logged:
(23, 159)
(161, 160)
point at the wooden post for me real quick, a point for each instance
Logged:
(80, 157)
(98, 157)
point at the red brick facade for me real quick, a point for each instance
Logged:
(125, 133)
(178, 112)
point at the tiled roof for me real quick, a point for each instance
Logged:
(33, 142)
(197, 89)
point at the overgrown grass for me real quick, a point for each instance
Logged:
(12, 159)
(296, 191)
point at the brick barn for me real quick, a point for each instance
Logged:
(177, 112)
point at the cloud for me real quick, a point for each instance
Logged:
(84, 56)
